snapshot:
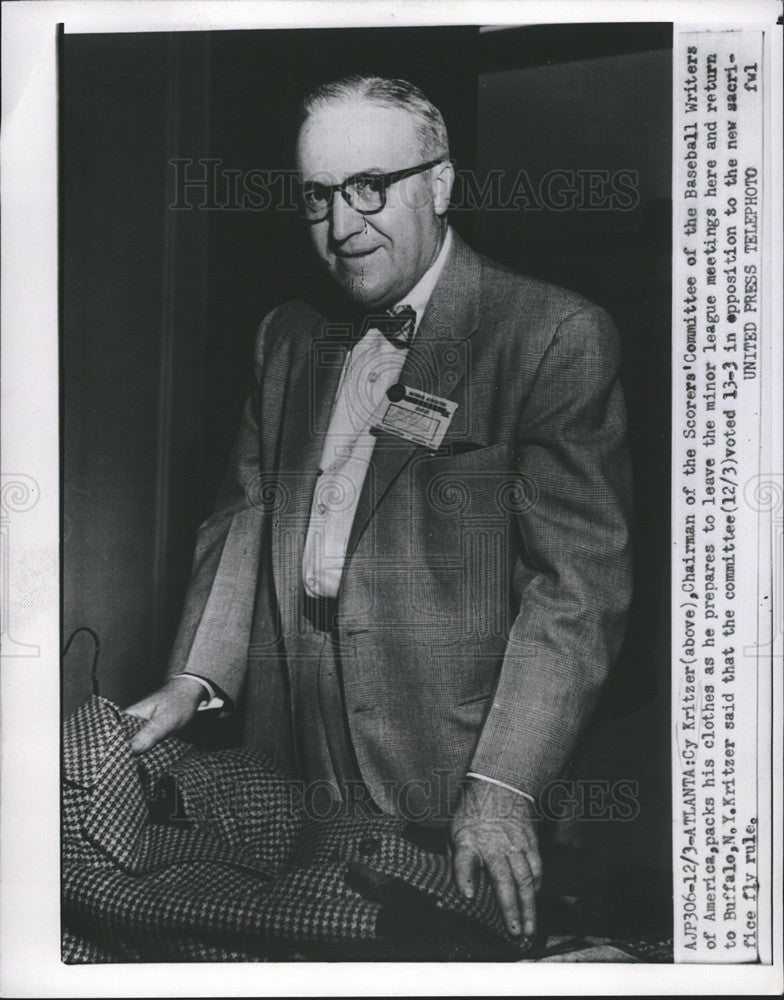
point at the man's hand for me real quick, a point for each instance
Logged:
(166, 711)
(494, 827)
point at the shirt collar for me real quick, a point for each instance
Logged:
(419, 296)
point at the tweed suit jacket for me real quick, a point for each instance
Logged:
(486, 584)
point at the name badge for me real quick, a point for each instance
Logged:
(417, 416)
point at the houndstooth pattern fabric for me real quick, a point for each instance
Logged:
(185, 854)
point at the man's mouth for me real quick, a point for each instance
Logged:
(355, 254)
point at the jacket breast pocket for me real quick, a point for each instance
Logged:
(480, 482)
(467, 453)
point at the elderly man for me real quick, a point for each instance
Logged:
(417, 572)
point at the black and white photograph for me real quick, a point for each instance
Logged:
(408, 320)
(375, 639)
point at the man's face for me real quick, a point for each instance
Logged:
(377, 259)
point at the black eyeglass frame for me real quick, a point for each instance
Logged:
(386, 180)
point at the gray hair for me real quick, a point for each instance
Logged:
(389, 93)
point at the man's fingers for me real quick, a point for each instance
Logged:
(143, 709)
(529, 847)
(465, 863)
(166, 711)
(525, 881)
(161, 723)
(535, 864)
(506, 892)
(149, 735)
(497, 831)
(142, 741)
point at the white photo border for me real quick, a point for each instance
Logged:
(29, 820)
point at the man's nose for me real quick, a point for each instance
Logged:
(345, 221)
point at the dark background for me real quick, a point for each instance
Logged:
(160, 305)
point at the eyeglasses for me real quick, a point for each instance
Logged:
(366, 193)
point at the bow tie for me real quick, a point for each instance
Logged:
(396, 324)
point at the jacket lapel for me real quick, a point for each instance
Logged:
(437, 363)
(307, 406)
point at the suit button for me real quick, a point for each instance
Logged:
(322, 509)
(368, 846)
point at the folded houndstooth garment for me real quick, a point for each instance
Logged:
(185, 854)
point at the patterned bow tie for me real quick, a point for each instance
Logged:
(396, 324)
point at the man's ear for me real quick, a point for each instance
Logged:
(442, 179)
